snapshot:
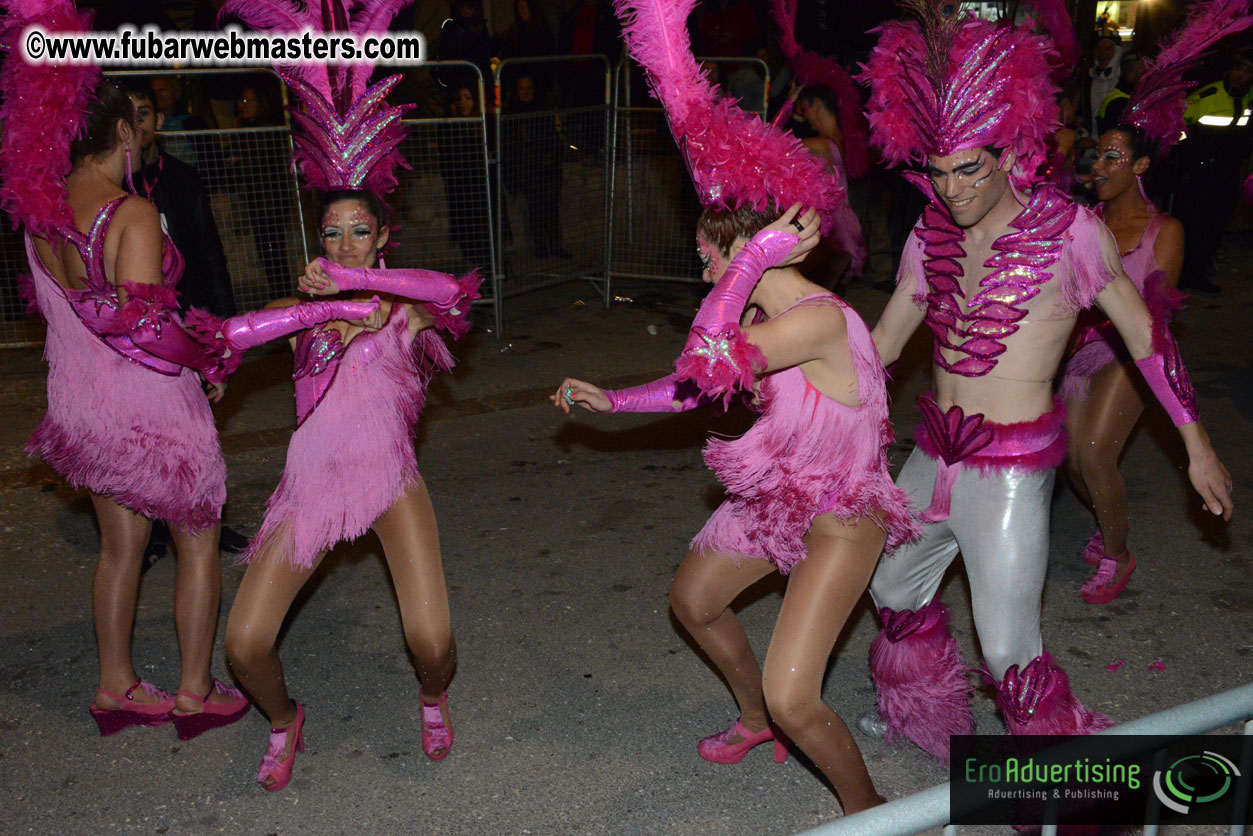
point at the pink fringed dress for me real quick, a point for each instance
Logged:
(133, 428)
(807, 455)
(1096, 343)
(351, 456)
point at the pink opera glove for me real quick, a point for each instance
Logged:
(447, 297)
(717, 356)
(657, 396)
(256, 327)
(150, 317)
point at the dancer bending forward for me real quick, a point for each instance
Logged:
(809, 493)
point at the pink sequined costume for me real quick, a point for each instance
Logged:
(120, 422)
(1096, 343)
(351, 456)
(940, 85)
(807, 455)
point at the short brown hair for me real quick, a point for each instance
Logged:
(721, 227)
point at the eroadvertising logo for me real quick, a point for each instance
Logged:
(1195, 779)
(1120, 780)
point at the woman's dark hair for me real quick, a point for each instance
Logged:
(721, 227)
(109, 104)
(367, 199)
(824, 94)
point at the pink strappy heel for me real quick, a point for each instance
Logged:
(213, 715)
(717, 750)
(131, 712)
(1105, 585)
(279, 771)
(436, 737)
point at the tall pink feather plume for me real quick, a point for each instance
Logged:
(282, 16)
(812, 68)
(374, 16)
(734, 159)
(987, 84)
(1056, 21)
(42, 113)
(1160, 98)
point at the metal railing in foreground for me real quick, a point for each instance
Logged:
(930, 808)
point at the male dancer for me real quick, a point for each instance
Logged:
(998, 267)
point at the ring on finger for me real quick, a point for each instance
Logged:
(800, 227)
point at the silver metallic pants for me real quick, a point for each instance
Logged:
(1000, 524)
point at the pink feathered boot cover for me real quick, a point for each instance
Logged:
(923, 691)
(1038, 700)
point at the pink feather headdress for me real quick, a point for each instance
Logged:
(954, 82)
(42, 114)
(1160, 98)
(1053, 16)
(734, 159)
(348, 137)
(812, 68)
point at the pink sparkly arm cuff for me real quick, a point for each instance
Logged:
(657, 396)
(1167, 377)
(150, 315)
(717, 356)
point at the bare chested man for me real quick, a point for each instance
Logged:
(998, 274)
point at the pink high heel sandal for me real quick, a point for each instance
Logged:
(279, 771)
(436, 737)
(213, 715)
(716, 749)
(132, 712)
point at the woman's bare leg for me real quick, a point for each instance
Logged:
(701, 596)
(821, 593)
(197, 591)
(1113, 408)
(114, 589)
(410, 541)
(269, 587)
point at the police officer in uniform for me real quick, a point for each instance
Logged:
(1211, 161)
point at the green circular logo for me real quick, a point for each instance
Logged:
(1194, 779)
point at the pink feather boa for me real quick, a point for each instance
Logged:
(42, 113)
(734, 159)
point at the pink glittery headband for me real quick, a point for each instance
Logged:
(347, 137)
(954, 82)
(734, 159)
(1160, 98)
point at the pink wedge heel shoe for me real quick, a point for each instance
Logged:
(279, 771)
(716, 749)
(213, 715)
(436, 737)
(131, 712)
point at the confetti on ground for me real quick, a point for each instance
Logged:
(1113, 666)
(1157, 665)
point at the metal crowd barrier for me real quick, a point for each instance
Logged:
(654, 206)
(553, 164)
(930, 808)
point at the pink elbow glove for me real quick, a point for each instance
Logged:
(657, 396)
(256, 327)
(717, 356)
(447, 297)
(150, 317)
(1166, 375)
(251, 329)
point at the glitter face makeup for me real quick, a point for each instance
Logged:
(350, 234)
(712, 262)
(1111, 170)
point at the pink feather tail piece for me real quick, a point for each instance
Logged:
(923, 691)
